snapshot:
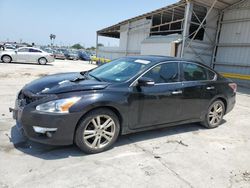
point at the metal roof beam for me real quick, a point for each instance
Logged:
(234, 4)
(186, 25)
(173, 6)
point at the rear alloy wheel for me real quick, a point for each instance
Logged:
(42, 61)
(6, 59)
(98, 131)
(215, 114)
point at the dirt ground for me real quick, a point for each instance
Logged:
(181, 156)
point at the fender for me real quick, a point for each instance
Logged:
(223, 97)
(96, 100)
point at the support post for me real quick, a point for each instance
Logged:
(216, 39)
(187, 20)
(96, 49)
(127, 42)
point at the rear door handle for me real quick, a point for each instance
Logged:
(177, 92)
(210, 87)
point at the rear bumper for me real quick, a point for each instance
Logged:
(64, 124)
(231, 103)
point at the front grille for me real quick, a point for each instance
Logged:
(26, 97)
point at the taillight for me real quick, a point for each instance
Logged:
(233, 86)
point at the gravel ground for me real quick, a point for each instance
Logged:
(181, 156)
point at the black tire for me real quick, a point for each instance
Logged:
(86, 125)
(6, 59)
(208, 121)
(42, 61)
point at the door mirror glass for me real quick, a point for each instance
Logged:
(146, 82)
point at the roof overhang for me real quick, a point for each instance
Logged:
(114, 31)
(220, 4)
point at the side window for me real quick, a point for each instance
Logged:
(23, 50)
(34, 50)
(164, 73)
(193, 72)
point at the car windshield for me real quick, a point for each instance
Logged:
(119, 70)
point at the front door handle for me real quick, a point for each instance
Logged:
(210, 87)
(177, 92)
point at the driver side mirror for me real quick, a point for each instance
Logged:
(146, 82)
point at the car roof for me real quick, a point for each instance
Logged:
(157, 59)
(31, 48)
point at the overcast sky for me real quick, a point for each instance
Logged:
(72, 21)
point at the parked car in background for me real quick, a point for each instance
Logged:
(48, 50)
(63, 50)
(27, 55)
(131, 94)
(59, 55)
(71, 55)
(8, 47)
(83, 56)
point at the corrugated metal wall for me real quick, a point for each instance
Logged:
(131, 36)
(233, 51)
(160, 45)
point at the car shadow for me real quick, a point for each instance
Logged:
(48, 152)
(20, 63)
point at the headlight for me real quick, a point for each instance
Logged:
(58, 106)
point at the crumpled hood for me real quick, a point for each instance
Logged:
(61, 83)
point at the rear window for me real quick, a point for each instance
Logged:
(194, 72)
(34, 50)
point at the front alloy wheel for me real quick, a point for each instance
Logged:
(215, 114)
(98, 131)
(6, 59)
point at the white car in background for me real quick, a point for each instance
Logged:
(27, 55)
(9, 47)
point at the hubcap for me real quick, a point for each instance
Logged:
(6, 59)
(215, 115)
(99, 132)
(42, 61)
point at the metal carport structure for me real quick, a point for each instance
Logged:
(214, 32)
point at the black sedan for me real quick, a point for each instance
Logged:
(131, 94)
